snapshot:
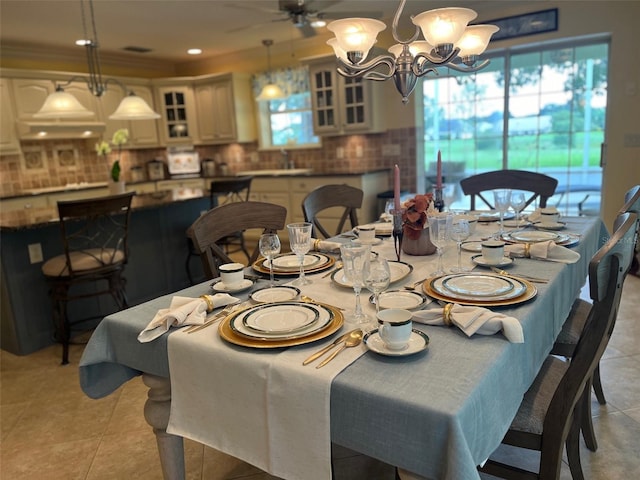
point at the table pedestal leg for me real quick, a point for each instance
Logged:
(156, 413)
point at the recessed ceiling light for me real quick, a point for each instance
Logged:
(83, 42)
(194, 51)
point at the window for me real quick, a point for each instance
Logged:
(541, 109)
(287, 122)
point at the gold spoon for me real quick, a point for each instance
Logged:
(353, 340)
(304, 298)
(413, 286)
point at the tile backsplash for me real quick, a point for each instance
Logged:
(53, 163)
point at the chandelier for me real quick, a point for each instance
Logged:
(61, 104)
(449, 42)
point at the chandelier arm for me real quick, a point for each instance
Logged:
(348, 70)
(424, 69)
(396, 22)
(468, 69)
(437, 60)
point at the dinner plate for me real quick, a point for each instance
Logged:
(290, 261)
(280, 321)
(549, 226)
(325, 263)
(418, 341)
(479, 260)
(274, 313)
(529, 293)
(514, 223)
(242, 286)
(227, 333)
(398, 271)
(277, 293)
(533, 236)
(473, 285)
(405, 299)
(472, 246)
(375, 241)
(490, 215)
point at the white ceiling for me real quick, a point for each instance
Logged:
(170, 27)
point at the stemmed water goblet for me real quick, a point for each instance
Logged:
(377, 277)
(269, 247)
(518, 200)
(459, 233)
(300, 242)
(502, 200)
(439, 226)
(354, 260)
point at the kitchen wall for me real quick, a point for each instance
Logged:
(51, 163)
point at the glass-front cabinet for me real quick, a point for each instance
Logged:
(342, 105)
(177, 109)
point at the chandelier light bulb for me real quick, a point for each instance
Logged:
(356, 34)
(475, 39)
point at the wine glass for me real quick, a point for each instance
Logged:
(377, 277)
(300, 242)
(460, 231)
(502, 200)
(354, 260)
(518, 200)
(439, 226)
(269, 247)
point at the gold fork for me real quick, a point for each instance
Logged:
(222, 313)
(413, 286)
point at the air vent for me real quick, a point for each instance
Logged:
(137, 49)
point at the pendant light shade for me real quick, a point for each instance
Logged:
(270, 91)
(61, 104)
(132, 107)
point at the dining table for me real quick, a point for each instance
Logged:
(438, 413)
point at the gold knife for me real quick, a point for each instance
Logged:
(321, 352)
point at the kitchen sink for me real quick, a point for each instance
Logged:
(276, 172)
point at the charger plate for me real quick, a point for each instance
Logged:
(227, 333)
(530, 291)
(287, 262)
(325, 263)
(279, 320)
(398, 270)
(405, 299)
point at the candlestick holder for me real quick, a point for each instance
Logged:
(397, 230)
(438, 201)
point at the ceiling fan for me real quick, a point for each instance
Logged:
(304, 14)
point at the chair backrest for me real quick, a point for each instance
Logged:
(98, 227)
(225, 220)
(541, 186)
(330, 196)
(236, 189)
(607, 271)
(632, 201)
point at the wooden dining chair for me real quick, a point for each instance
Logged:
(541, 186)
(95, 251)
(550, 414)
(222, 221)
(573, 326)
(326, 197)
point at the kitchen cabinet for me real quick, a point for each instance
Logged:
(83, 194)
(9, 143)
(29, 95)
(224, 109)
(343, 105)
(142, 133)
(177, 108)
(24, 203)
(140, 188)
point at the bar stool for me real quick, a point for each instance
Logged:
(94, 238)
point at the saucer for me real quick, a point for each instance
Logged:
(375, 241)
(417, 343)
(479, 260)
(221, 287)
(513, 223)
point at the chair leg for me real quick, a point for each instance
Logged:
(586, 422)
(597, 386)
(190, 253)
(573, 444)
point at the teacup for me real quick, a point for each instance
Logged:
(492, 251)
(232, 274)
(394, 328)
(366, 234)
(549, 216)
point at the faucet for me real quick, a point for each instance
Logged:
(286, 163)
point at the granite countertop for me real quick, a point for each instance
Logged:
(39, 217)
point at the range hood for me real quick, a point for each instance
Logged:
(47, 130)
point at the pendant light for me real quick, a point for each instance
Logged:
(270, 91)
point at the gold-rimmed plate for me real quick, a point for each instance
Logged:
(227, 334)
(274, 318)
(325, 263)
(530, 291)
(398, 270)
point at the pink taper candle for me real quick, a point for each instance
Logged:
(396, 188)
(439, 171)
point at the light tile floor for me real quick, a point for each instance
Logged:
(50, 430)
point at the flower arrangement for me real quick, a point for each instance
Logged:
(416, 213)
(120, 137)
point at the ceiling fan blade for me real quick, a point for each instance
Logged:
(339, 15)
(307, 30)
(240, 6)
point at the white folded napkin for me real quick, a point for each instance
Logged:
(536, 215)
(184, 311)
(472, 320)
(325, 245)
(548, 250)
